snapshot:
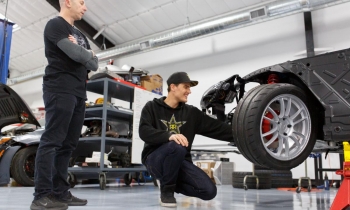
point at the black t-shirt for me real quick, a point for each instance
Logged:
(62, 74)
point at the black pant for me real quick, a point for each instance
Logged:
(64, 120)
(168, 164)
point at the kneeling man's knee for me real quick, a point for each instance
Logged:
(177, 148)
(211, 192)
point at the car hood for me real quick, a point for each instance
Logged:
(13, 109)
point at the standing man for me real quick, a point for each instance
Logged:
(168, 127)
(64, 92)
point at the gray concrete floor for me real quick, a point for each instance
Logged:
(146, 197)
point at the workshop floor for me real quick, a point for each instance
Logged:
(146, 197)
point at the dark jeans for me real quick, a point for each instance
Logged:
(168, 164)
(64, 119)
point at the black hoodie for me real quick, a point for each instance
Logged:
(159, 121)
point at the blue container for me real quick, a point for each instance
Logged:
(5, 47)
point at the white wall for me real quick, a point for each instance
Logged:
(240, 51)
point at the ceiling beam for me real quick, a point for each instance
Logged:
(86, 28)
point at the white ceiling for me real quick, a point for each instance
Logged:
(124, 21)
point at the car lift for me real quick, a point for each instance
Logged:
(342, 199)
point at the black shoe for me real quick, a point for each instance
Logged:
(167, 198)
(71, 200)
(48, 202)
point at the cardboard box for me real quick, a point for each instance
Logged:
(153, 83)
(206, 167)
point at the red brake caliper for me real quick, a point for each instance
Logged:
(266, 125)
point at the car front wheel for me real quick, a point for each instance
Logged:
(23, 166)
(274, 126)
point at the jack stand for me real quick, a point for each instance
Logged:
(252, 176)
(309, 187)
(342, 199)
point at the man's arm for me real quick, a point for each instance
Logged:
(213, 128)
(79, 54)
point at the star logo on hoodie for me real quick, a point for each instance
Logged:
(172, 125)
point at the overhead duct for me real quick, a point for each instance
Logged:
(39, 72)
(241, 19)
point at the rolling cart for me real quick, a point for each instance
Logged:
(108, 88)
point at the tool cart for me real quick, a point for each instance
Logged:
(106, 111)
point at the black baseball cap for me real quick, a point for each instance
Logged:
(180, 77)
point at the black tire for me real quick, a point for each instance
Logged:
(155, 182)
(264, 180)
(127, 179)
(23, 166)
(279, 178)
(103, 181)
(235, 126)
(72, 180)
(247, 126)
(259, 167)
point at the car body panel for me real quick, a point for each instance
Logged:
(13, 109)
(30, 138)
(327, 77)
(5, 164)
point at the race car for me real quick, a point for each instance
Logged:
(298, 107)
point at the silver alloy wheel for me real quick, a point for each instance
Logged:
(285, 127)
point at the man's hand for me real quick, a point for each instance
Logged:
(93, 53)
(72, 39)
(180, 139)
